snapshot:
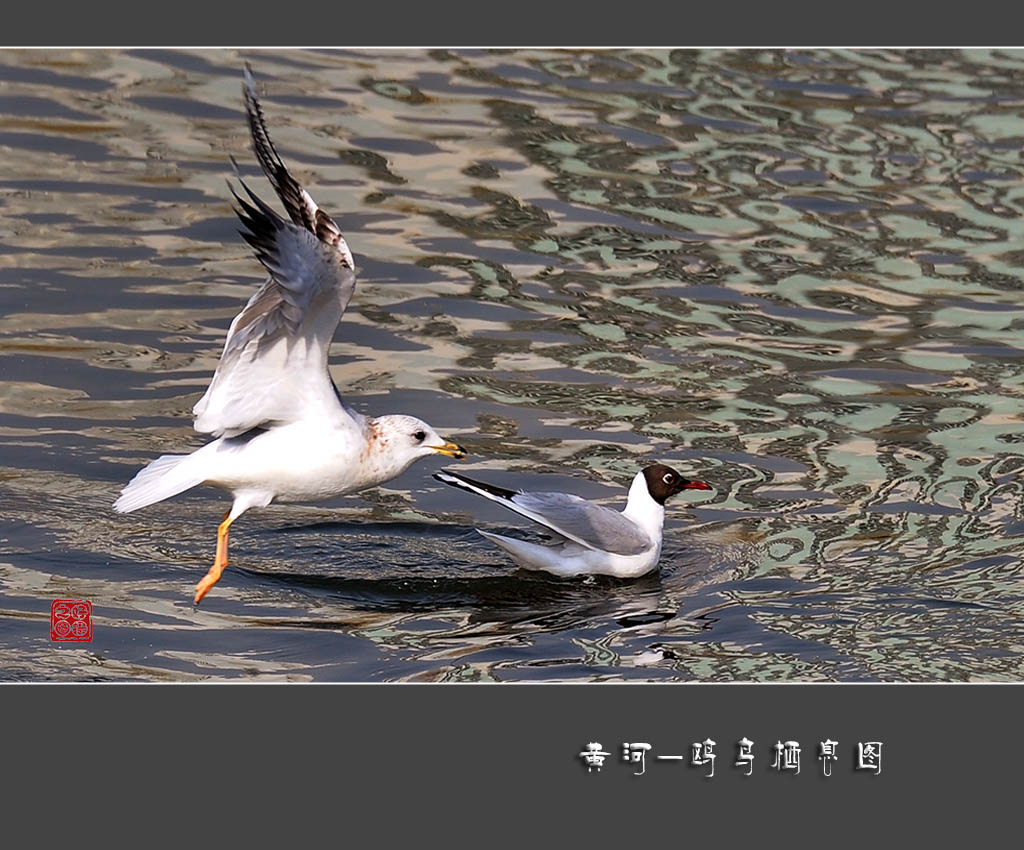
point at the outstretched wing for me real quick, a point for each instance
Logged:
(301, 208)
(575, 519)
(274, 364)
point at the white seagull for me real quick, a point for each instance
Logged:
(588, 539)
(283, 431)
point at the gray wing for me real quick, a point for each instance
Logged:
(274, 364)
(583, 522)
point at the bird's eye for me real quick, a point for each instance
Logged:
(668, 478)
(419, 436)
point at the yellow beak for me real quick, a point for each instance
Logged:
(450, 449)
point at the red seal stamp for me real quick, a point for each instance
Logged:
(70, 619)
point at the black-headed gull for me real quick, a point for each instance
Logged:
(589, 539)
(284, 433)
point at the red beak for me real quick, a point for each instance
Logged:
(697, 485)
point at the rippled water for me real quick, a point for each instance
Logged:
(795, 275)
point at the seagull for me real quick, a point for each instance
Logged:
(283, 432)
(588, 539)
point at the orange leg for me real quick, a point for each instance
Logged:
(219, 562)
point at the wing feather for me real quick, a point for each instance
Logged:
(274, 365)
(593, 526)
(570, 517)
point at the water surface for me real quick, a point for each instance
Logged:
(796, 275)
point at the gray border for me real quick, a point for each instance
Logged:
(540, 24)
(479, 760)
(486, 760)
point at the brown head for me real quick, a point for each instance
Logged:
(663, 481)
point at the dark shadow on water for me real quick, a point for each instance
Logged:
(369, 527)
(521, 592)
(518, 598)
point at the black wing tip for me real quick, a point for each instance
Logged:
(263, 147)
(286, 186)
(261, 206)
(441, 474)
(261, 225)
(245, 211)
(463, 482)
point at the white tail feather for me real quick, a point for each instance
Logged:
(164, 477)
(523, 551)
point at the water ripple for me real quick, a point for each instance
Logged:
(795, 274)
